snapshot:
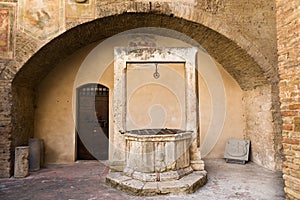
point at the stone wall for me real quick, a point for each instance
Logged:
(261, 127)
(243, 43)
(288, 38)
(22, 124)
(5, 129)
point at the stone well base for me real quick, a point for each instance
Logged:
(163, 176)
(186, 185)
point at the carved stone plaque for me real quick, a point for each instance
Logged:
(237, 150)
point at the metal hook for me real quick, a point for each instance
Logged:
(156, 75)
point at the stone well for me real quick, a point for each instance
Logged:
(157, 155)
(157, 162)
(154, 161)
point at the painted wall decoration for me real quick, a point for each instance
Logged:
(7, 26)
(142, 40)
(80, 9)
(40, 18)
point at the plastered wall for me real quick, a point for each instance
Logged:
(155, 103)
(56, 105)
(54, 117)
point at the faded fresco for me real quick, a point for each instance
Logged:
(142, 40)
(80, 9)
(7, 25)
(40, 18)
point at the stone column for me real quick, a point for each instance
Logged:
(34, 154)
(192, 109)
(21, 161)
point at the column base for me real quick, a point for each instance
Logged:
(197, 165)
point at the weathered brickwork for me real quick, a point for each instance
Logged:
(241, 41)
(288, 36)
(5, 129)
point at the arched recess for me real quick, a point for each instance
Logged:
(240, 65)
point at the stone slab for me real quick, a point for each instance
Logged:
(162, 176)
(186, 185)
(132, 186)
(150, 189)
(117, 177)
(21, 162)
(237, 149)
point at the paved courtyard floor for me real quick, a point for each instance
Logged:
(86, 180)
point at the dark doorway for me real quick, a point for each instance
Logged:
(92, 122)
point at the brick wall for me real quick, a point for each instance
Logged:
(288, 38)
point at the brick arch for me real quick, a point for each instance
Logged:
(253, 71)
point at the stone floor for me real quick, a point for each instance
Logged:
(86, 180)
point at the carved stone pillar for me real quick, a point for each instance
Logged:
(21, 161)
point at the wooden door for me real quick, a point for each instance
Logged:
(92, 122)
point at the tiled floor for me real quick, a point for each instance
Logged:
(86, 180)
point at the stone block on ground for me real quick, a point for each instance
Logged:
(21, 161)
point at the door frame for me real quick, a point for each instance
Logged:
(107, 90)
